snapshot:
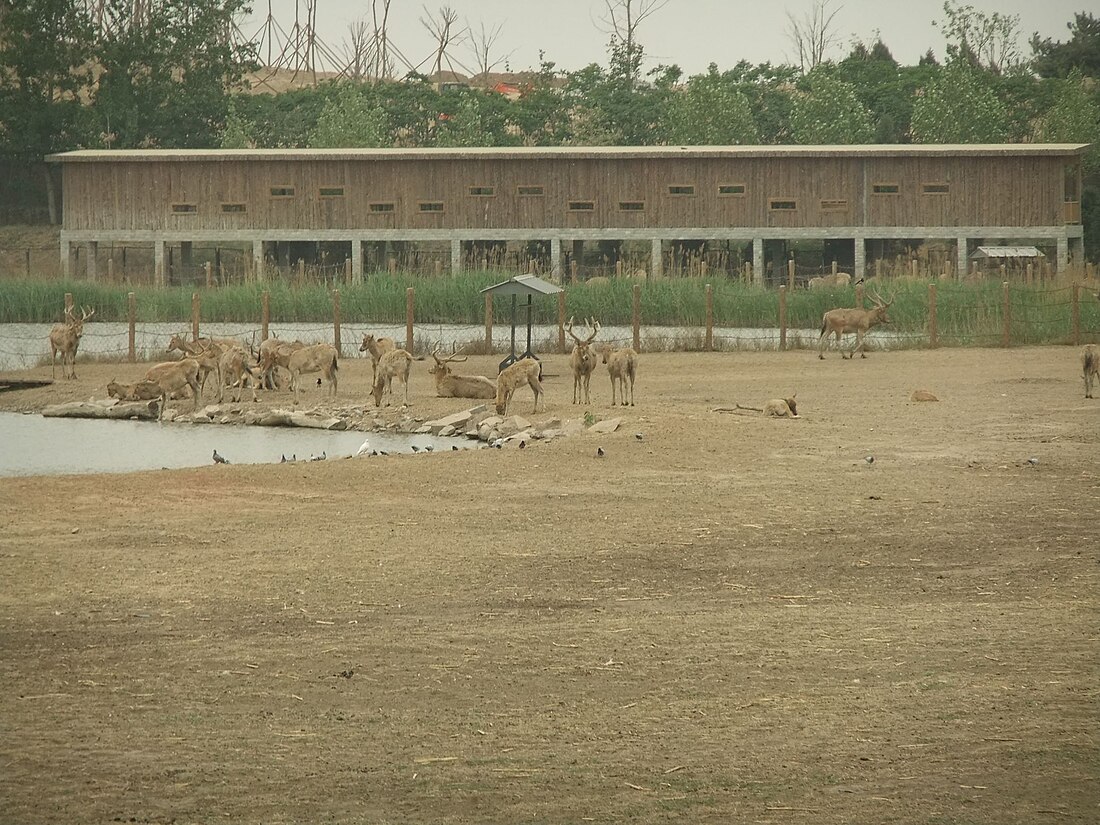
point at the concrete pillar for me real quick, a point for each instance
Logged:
(92, 248)
(185, 253)
(159, 265)
(356, 261)
(860, 258)
(962, 264)
(656, 260)
(258, 259)
(555, 259)
(456, 256)
(1063, 252)
(66, 259)
(758, 261)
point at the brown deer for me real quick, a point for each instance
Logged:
(841, 321)
(393, 364)
(829, 281)
(235, 372)
(175, 375)
(65, 338)
(451, 385)
(274, 353)
(525, 371)
(622, 366)
(377, 347)
(317, 358)
(582, 359)
(1090, 367)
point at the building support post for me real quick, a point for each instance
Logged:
(758, 261)
(1063, 252)
(859, 258)
(66, 259)
(92, 248)
(555, 259)
(456, 256)
(656, 260)
(356, 261)
(258, 259)
(962, 264)
(160, 277)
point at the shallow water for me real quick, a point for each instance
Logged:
(33, 445)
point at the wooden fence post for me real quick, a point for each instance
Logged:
(933, 323)
(336, 319)
(110, 270)
(708, 344)
(410, 303)
(265, 314)
(196, 308)
(1030, 274)
(209, 273)
(488, 322)
(790, 274)
(561, 322)
(347, 270)
(1075, 313)
(573, 271)
(834, 266)
(1006, 313)
(782, 317)
(68, 303)
(636, 311)
(131, 317)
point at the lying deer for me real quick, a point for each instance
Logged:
(377, 347)
(582, 359)
(841, 321)
(450, 385)
(65, 338)
(829, 281)
(317, 358)
(776, 408)
(1090, 367)
(622, 366)
(393, 364)
(525, 371)
(143, 390)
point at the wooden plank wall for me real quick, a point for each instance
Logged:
(984, 191)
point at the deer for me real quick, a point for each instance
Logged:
(582, 359)
(317, 358)
(525, 371)
(840, 321)
(175, 375)
(622, 366)
(450, 385)
(65, 338)
(829, 281)
(180, 343)
(275, 353)
(1090, 366)
(776, 408)
(393, 364)
(377, 347)
(143, 390)
(235, 371)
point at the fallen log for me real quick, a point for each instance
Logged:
(103, 409)
(292, 418)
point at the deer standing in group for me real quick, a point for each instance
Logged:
(65, 338)
(622, 366)
(582, 359)
(842, 321)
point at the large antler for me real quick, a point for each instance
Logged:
(452, 357)
(594, 325)
(86, 314)
(569, 329)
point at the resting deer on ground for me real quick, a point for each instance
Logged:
(776, 408)
(582, 359)
(393, 364)
(622, 366)
(525, 371)
(829, 281)
(1090, 367)
(143, 390)
(377, 347)
(451, 385)
(65, 338)
(317, 358)
(841, 321)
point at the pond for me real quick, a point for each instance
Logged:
(33, 445)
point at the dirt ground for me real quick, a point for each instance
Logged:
(730, 619)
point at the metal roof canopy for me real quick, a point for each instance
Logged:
(985, 252)
(529, 285)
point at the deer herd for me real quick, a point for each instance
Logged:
(237, 366)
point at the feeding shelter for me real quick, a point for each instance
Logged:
(1008, 255)
(521, 285)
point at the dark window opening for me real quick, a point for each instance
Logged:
(482, 191)
(184, 208)
(731, 189)
(234, 207)
(331, 191)
(782, 205)
(582, 206)
(681, 189)
(282, 191)
(381, 207)
(885, 188)
(431, 206)
(530, 191)
(631, 206)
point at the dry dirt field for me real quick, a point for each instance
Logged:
(730, 620)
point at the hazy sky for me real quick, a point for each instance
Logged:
(689, 33)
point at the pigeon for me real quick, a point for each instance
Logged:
(415, 449)
(364, 448)
(220, 459)
(638, 436)
(320, 457)
(600, 453)
(498, 443)
(284, 459)
(454, 449)
(870, 459)
(522, 444)
(429, 448)
(1033, 461)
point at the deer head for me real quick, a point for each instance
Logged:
(77, 324)
(593, 325)
(880, 307)
(441, 364)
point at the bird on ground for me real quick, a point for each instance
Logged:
(220, 459)
(600, 452)
(429, 448)
(415, 449)
(284, 459)
(638, 436)
(454, 448)
(869, 459)
(522, 444)
(320, 457)
(364, 448)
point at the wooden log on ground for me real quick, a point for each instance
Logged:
(104, 409)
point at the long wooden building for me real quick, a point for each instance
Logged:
(963, 194)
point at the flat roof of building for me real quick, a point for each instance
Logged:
(878, 150)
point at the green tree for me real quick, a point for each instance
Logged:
(710, 111)
(1052, 58)
(880, 85)
(464, 125)
(989, 40)
(350, 119)
(767, 88)
(237, 132)
(828, 110)
(958, 105)
(1074, 118)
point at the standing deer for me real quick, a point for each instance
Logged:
(377, 347)
(65, 338)
(582, 359)
(622, 366)
(1090, 366)
(840, 321)
(393, 364)
(525, 371)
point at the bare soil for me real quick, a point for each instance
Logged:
(730, 619)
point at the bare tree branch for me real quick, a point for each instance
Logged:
(443, 31)
(813, 34)
(482, 44)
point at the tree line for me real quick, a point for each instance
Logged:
(169, 74)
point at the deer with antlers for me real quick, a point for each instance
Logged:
(841, 321)
(582, 359)
(65, 338)
(451, 385)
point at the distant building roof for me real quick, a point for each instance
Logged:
(523, 285)
(1006, 252)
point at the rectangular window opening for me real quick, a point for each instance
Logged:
(234, 207)
(728, 189)
(331, 191)
(632, 206)
(530, 191)
(936, 188)
(381, 207)
(482, 191)
(184, 208)
(782, 205)
(681, 189)
(582, 206)
(431, 206)
(834, 205)
(885, 188)
(282, 191)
